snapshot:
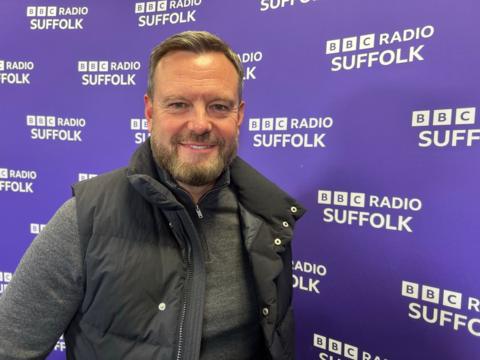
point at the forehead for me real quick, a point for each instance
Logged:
(188, 71)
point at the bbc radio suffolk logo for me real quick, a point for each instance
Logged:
(85, 176)
(333, 349)
(5, 278)
(250, 61)
(108, 73)
(172, 12)
(16, 72)
(56, 17)
(55, 128)
(447, 128)
(36, 228)
(445, 308)
(379, 212)
(139, 128)
(17, 181)
(369, 50)
(266, 5)
(307, 275)
(290, 132)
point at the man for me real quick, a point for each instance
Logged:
(185, 254)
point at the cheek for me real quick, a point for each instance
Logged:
(228, 131)
(165, 129)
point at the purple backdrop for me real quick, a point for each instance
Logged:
(367, 112)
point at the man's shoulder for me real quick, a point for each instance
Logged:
(259, 194)
(104, 178)
(245, 175)
(252, 182)
(101, 184)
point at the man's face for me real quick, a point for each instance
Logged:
(194, 115)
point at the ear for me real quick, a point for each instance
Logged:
(148, 111)
(241, 112)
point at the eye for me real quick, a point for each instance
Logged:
(220, 108)
(178, 105)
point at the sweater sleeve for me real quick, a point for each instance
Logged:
(45, 291)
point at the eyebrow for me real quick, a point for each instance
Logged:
(169, 98)
(172, 98)
(228, 101)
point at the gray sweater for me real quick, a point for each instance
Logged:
(47, 287)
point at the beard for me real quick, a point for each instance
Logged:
(194, 174)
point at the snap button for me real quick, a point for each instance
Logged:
(265, 311)
(285, 224)
(170, 224)
(277, 242)
(162, 306)
(293, 209)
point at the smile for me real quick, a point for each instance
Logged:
(198, 146)
(201, 146)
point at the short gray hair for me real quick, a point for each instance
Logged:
(197, 42)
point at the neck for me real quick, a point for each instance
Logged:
(196, 192)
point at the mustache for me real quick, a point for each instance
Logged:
(207, 138)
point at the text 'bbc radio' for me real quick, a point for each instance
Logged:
(163, 12)
(17, 180)
(445, 128)
(290, 132)
(333, 349)
(360, 51)
(108, 73)
(380, 212)
(307, 275)
(16, 72)
(56, 128)
(56, 17)
(139, 128)
(248, 60)
(444, 308)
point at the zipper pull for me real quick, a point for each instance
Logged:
(199, 212)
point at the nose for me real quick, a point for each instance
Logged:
(200, 122)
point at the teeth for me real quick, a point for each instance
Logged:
(199, 147)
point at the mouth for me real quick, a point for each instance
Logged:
(199, 147)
